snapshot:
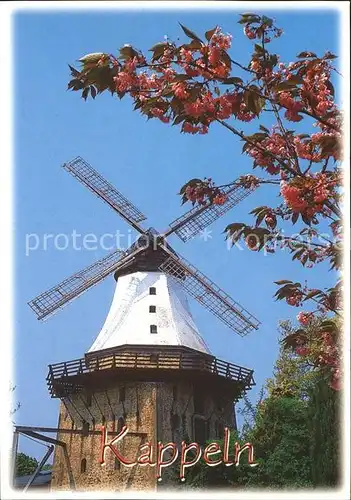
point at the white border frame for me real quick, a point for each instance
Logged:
(6, 227)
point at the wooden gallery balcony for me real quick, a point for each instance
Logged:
(105, 368)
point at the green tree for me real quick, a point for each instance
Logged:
(324, 418)
(25, 464)
(293, 375)
(281, 439)
(280, 436)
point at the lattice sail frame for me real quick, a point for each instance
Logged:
(49, 302)
(210, 295)
(91, 179)
(195, 220)
(187, 226)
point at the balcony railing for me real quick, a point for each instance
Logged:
(71, 374)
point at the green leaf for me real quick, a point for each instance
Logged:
(232, 80)
(249, 14)
(127, 52)
(294, 217)
(138, 105)
(283, 86)
(264, 129)
(299, 253)
(306, 54)
(209, 33)
(245, 147)
(259, 49)
(260, 217)
(289, 84)
(295, 80)
(76, 84)
(192, 182)
(226, 58)
(273, 59)
(190, 33)
(257, 210)
(306, 219)
(194, 93)
(258, 137)
(267, 21)
(167, 92)
(93, 91)
(235, 231)
(234, 226)
(249, 18)
(285, 291)
(74, 72)
(184, 199)
(313, 293)
(258, 103)
(293, 339)
(176, 105)
(94, 57)
(158, 46)
(282, 282)
(329, 55)
(328, 324)
(179, 119)
(193, 45)
(158, 50)
(181, 77)
(85, 93)
(253, 100)
(330, 87)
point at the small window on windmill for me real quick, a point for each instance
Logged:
(153, 329)
(152, 309)
(122, 394)
(152, 290)
(103, 420)
(89, 399)
(83, 465)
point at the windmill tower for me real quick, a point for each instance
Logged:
(149, 368)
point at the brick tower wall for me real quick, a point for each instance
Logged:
(153, 411)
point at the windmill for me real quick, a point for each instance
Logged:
(151, 248)
(159, 379)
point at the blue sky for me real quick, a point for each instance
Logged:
(147, 162)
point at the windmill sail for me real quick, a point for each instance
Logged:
(209, 295)
(161, 258)
(195, 220)
(90, 178)
(48, 302)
